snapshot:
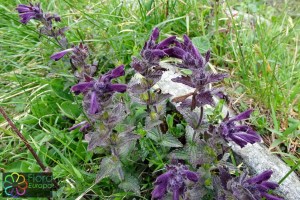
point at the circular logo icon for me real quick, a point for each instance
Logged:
(15, 185)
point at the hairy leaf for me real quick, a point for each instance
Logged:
(98, 139)
(109, 167)
(169, 140)
(130, 184)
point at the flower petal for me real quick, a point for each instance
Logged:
(176, 194)
(270, 197)
(159, 191)
(117, 87)
(248, 137)
(155, 34)
(175, 52)
(241, 142)
(261, 177)
(165, 43)
(60, 54)
(26, 17)
(242, 116)
(23, 8)
(82, 87)
(163, 178)
(192, 176)
(118, 71)
(270, 185)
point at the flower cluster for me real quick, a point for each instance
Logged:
(200, 77)
(97, 92)
(78, 60)
(31, 11)
(243, 187)
(149, 67)
(151, 54)
(240, 134)
(26, 13)
(173, 181)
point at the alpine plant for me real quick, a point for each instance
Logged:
(204, 147)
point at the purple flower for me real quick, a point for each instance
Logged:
(202, 95)
(191, 57)
(78, 60)
(174, 181)
(97, 91)
(152, 53)
(200, 77)
(240, 134)
(60, 54)
(262, 185)
(29, 12)
(79, 54)
(256, 187)
(84, 126)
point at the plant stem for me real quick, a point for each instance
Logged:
(199, 122)
(201, 117)
(233, 162)
(28, 146)
(291, 170)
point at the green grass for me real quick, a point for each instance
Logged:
(262, 58)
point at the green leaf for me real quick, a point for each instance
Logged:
(180, 154)
(202, 43)
(70, 110)
(44, 106)
(169, 140)
(292, 127)
(109, 167)
(67, 162)
(186, 71)
(154, 135)
(58, 87)
(275, 143)
(170, 120)
(275, 131)
(130, 184)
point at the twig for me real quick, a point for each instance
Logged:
(29, 147)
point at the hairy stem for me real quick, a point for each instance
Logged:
(199, 122)
(28, 146)
(201, 116)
